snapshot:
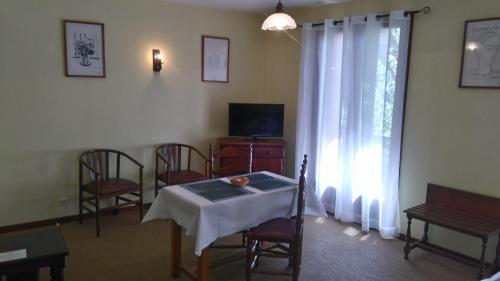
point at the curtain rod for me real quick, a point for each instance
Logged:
(424, 10)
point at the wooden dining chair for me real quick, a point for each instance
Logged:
(232, 161)
(102, 185)
(283, 237)
(174, 165)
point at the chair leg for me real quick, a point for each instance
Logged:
(80, 207)
(141, 208)
(426, 233)
(481, 262)
(115, 210)
(291, 253)
(97, 225)
(408, 239)
(140, 193)
(296, 272)
(258, 247)
(497, 256)
(249, 260)
(243, 238)
(156, 186)
(140, 212)
(296, 255)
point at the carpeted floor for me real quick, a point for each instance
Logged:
(332, 251)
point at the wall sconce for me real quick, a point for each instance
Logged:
(156, 60)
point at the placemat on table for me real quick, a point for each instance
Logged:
(264, 182)
(216, 190)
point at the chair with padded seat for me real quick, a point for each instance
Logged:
(233, 161)
(100, 184)
(169, 167)
(283, 237)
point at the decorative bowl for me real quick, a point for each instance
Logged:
(239, 181)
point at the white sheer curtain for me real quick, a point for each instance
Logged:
(350, 114)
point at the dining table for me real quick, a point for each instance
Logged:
(211, 209)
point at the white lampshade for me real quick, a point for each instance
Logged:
(279, 21)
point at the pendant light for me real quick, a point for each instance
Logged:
(279, 20)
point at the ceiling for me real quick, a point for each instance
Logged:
(254, 5)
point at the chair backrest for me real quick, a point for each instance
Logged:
(299, 219)
(476, 205)
(177, 156)
(233, 161)
(99, 161)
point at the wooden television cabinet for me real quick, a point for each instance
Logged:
(267, 154)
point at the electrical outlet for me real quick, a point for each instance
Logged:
(63, 202)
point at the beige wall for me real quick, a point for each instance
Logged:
(451, 135)
(46, 119)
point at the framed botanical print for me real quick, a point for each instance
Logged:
(215, 59)
(481, 54)
(84, 49)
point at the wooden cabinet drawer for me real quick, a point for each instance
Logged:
(243, 147)
(273, 165)
(267, 155)
(268, 152)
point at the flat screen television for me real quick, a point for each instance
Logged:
(254, 120)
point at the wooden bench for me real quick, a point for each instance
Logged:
(465, 212)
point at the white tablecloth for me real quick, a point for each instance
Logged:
(495, 277)
(206, 220)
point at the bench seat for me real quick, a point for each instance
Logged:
(455, 220)
(470, 213)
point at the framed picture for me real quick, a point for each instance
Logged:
(84, 49)
(215, 59)
(481, 58)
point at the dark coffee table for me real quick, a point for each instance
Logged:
(44, 248)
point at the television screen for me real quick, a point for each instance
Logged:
(256, 120)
